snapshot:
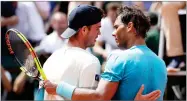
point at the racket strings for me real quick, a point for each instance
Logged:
(23, 55)
(30, 66)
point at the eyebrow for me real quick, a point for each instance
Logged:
(115, 26)
(99, 26)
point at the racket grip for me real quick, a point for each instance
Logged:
(40, 94)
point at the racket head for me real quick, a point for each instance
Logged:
(24, 54)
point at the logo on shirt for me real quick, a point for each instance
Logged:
(97, 77)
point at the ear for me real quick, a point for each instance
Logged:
(130, 27)
(84, 30)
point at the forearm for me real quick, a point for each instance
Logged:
(86, 94)
(72, 93)
(9, 21)
(104, 91)
(6, 82)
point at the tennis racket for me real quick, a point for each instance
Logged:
(20, 48)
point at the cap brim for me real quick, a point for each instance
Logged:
(68, 33)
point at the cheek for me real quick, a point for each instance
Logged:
(93, 34)
(123, 34)
(119, 34)
(90, 36)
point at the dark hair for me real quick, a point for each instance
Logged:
(137, 17)
(153, 18)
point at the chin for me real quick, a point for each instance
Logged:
(91, 45)
(121, 46)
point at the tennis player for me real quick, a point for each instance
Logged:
(124, 73)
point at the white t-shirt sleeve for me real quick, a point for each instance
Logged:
(89, 76)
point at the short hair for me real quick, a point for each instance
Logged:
(153, 18)
(137, 17)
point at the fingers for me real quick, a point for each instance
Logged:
(44, 83)
(154, 94)
(140, 90)
(155, 97)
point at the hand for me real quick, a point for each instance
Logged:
(2, 70)
(2, 20)
(50, 87)
(5, 81)
(19, 83)
(173, 70)
(148, 97)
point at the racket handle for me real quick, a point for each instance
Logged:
(40, 94)
(43, 75)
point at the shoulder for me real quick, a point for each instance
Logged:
(120, 58)
(121, 54)
(85, 55)
(117, 58)
(85, 59)
(160, 61)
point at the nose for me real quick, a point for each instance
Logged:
(99, 33)
(114, 33)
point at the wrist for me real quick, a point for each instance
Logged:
(65, 90)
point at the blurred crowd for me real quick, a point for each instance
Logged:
(43, 23)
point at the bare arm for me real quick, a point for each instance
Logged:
(104, 91)
(19, 83)
(6, 83)
(9, 21)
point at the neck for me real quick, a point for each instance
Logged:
(137, 41)
(76, 42)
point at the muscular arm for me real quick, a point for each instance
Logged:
(9, 21)
(104, 91)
